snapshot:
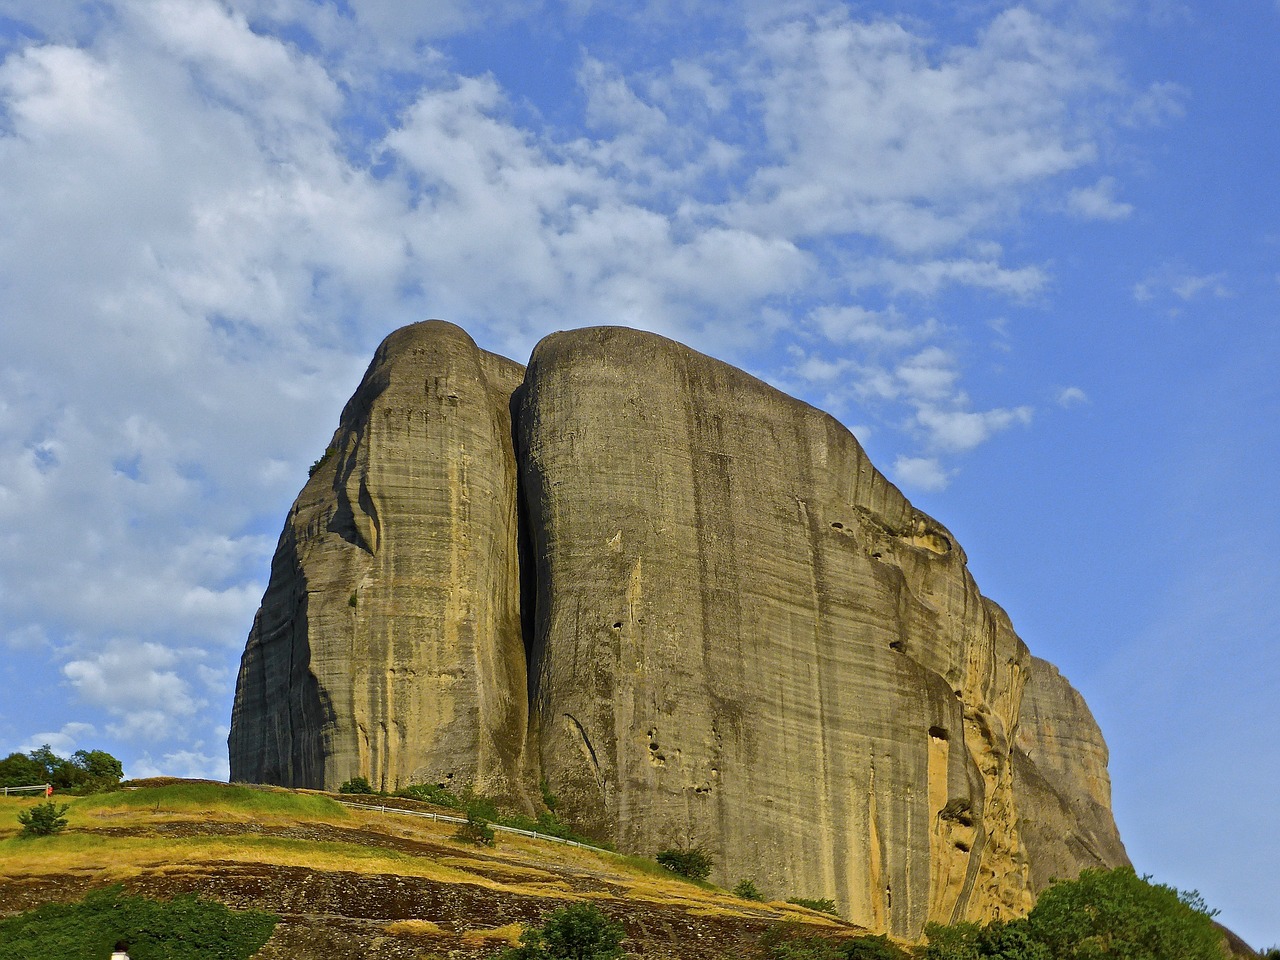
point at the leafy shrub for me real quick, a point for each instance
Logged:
(431, 793)
(184, 928)
(822, 906)
(873, 948)
(548, 797)
(1116, 913)
(692, 862)
(357, 785)
(790, 940)
(578, 932)
(329, 451)
(746, 889)
(476, 830)
(43, 820)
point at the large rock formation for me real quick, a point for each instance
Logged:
(699, 613)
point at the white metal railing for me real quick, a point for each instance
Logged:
(42, 787)
(496, 826)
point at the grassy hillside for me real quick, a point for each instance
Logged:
(353, 882)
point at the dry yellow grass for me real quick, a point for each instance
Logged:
(417, 928)
(509, 934)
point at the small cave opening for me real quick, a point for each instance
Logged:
(837, 526)
(938, 733)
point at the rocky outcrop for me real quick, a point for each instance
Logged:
(1061, 781)
(699, 614)
(389, 642)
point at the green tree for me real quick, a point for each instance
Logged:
(43, 820)
(357, 785)
(578, 932)
(86, 771)
(692, 862)
(747, 890)
(19, 770)
(97, 770)
(1106, 914)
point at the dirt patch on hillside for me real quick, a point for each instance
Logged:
(336, 914)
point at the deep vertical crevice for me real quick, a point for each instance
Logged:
(526, 559)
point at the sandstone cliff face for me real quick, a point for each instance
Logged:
(1061, 779)
(389, 642)
(739, 633)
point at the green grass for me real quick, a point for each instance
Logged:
(201, 797)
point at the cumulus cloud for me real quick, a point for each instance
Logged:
(212, 211)
(1097, 202)
(64, 741)
(136, 683)
(920, 473)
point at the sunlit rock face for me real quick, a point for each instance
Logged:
(389, 642)
(686, 601)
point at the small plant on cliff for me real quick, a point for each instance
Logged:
(475, 830)
(43, 820)
(357, 785)
(692, 862)
(578, 932)
(746, 889)
(329, 451)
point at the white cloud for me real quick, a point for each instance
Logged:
(1072, 397)
(1174, 280)
(193, 764)
(202, 240)
(64, 741)
(920, 473)
(958, 431)
(875, 132)
(1097, 202)
(137, 683)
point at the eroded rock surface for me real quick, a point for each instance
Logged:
(389, 641)
(1061, 781)
(739, 634)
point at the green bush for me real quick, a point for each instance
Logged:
(1117, 914)
(43, 820)
(578, 932)
(822, 906)
(746, 889)
(476, 830)
(692, 862)
(184, 928)
(790, 940)
(357, 785)
(431, 793)
(873, 948)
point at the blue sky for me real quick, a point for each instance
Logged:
(1029, 253)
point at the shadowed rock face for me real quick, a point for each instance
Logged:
(740, 634)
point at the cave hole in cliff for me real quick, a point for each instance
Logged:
(938, 733)
(617, 624)
(899, 645)
(837, 526)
